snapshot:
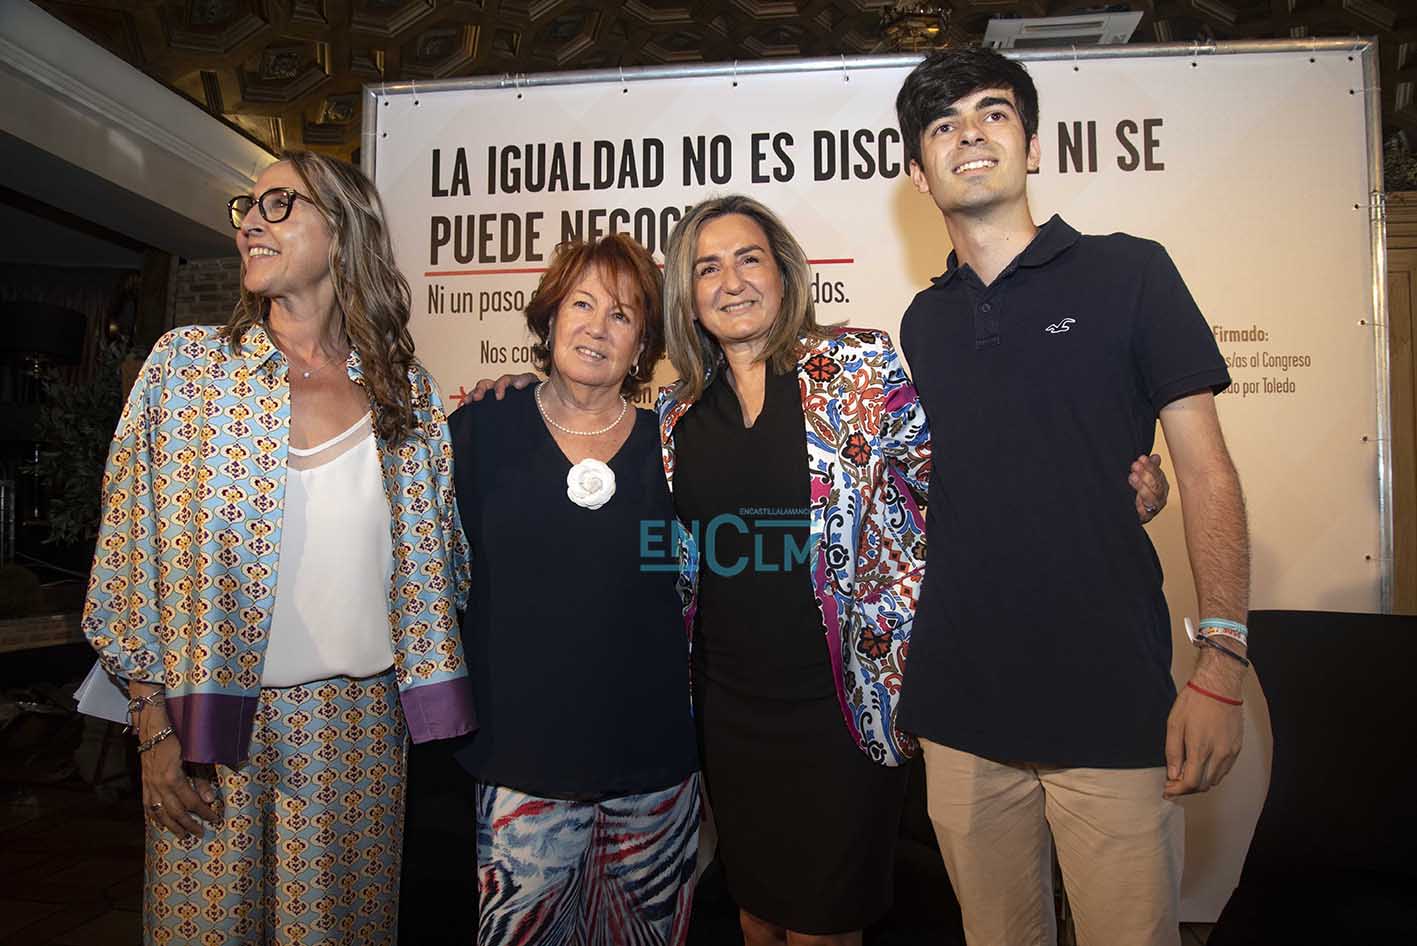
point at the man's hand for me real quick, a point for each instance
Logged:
(1151, 486)
(499, 387)
(1203, 734)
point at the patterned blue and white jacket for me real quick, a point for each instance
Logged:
(184, 574)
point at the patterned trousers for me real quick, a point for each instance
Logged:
(310, 842)
(570, 873)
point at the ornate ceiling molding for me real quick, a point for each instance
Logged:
(272, 67)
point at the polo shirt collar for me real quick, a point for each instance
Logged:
(1047, 244)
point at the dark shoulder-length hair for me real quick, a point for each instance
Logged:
(371, 296)
(620, 261)
(693, 352)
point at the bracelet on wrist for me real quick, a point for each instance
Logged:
(156, 737)
(138, 703)
(1214, 696)
(1237, 630)
(1208, 641)
(1226, 633)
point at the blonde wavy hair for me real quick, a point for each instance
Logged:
(693, 352)
(372, 298)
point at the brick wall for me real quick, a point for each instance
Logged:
(206, 290)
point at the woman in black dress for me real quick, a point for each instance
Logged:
(798, 457)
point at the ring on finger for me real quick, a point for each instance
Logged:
(155, 807)
(1151, 510)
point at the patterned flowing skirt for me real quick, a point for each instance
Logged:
(309, 846)
(617, 872)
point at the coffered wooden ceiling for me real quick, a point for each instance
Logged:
(290, 72)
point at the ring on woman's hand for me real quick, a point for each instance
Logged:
(1150, 509)
(155, 807)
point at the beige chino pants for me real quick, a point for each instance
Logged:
(1120, 846)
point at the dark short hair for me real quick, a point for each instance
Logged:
(946, 76)
(619, 259)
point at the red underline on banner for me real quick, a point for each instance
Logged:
(486, 272)
(542, 269)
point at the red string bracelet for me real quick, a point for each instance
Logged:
(1215, 696)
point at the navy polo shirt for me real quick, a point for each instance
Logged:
(1042, 634)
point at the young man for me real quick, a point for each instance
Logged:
(1039, 677)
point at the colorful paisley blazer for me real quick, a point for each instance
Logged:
(184, 574)
(868, 453)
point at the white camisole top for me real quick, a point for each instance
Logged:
(336, 558)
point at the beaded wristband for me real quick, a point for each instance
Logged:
(1236, 636)
(1215, 696)
(1235, 626)
(1216, 645)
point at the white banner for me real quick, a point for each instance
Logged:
(1251, 168)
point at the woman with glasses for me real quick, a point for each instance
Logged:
(276, 580)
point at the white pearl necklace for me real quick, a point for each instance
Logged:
(624, 406)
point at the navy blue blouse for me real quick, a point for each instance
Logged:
(575, 639)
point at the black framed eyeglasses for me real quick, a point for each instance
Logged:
(275, 205)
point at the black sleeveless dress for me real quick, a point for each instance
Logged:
(806, 822)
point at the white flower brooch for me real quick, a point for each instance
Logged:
(590, 484)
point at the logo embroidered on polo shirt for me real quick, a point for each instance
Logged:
(1062, 326)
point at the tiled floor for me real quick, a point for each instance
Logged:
(72, 866)
(71, 869)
